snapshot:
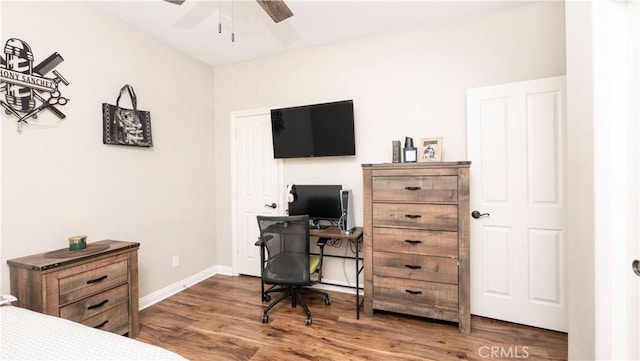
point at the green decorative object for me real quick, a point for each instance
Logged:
(77, 243)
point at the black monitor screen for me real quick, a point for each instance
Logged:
(320, 202)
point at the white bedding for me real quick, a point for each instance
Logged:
(29, 335)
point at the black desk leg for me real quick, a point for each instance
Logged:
(357, 284)
(358, 244)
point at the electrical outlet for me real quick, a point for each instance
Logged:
(175, 261)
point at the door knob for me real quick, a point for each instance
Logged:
(476, 214)
(272, 205)
(636, 267)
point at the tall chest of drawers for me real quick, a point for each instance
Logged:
(97, 286)
(416, 240)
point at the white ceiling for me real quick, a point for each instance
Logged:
(193, 26)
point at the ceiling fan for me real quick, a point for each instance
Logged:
(276, 9)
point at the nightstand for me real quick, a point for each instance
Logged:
(96, 286)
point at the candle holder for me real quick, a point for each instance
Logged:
(410, 153)
(77, 243)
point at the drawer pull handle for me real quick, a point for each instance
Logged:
(412, 266)
(413, 216)
(413, 292)
(98, 305)
(96, 280)
(413, 241)
(412, 188)
(102, 324)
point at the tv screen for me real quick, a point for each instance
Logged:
(319, 201)
(318, 130)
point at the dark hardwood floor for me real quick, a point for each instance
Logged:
(220, 319)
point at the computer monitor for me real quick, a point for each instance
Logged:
(319, 201)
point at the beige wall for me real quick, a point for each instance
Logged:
(407, 83)
(62, 181)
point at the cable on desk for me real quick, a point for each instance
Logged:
(354, 248)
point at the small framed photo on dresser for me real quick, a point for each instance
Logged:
(430, 150)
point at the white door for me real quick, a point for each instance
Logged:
(256, 185)
(516, 145)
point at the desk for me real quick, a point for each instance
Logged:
(354, 237)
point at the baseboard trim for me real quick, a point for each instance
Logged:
(171, 290)
(179, 286)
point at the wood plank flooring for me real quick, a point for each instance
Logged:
(220, 319)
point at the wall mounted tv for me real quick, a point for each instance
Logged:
(318, 130)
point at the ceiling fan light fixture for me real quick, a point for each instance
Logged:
(276, 9)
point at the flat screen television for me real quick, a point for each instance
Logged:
(319, 201)
(318, 130)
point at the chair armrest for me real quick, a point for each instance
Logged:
(322, 241)
(261, 241)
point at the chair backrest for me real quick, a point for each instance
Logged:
(286, 239)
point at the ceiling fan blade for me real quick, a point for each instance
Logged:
(276, 9)
(177, 2)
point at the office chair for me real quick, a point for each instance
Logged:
(286, 264)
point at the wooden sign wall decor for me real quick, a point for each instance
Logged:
(29, 88)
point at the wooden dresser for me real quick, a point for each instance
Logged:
(96, 286)
(416, 240)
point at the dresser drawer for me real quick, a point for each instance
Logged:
(420, 298)
(434, 217)
(87, 282)
(402, 240)
(416, 189)
(93, 305)
(416, 267)
(114, 320)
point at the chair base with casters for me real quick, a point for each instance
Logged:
(291, 288)
(296, 298)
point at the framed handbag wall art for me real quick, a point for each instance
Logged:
(125, 126)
